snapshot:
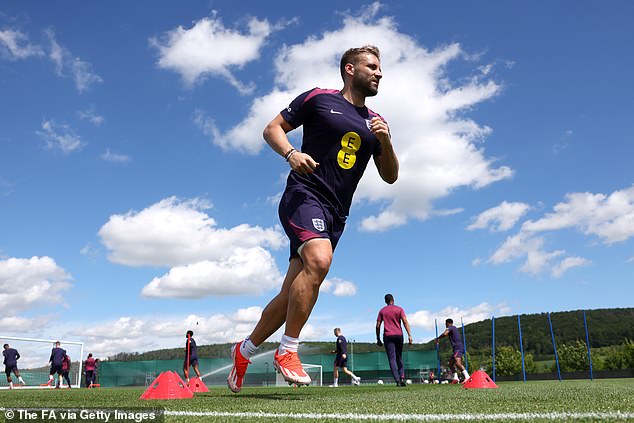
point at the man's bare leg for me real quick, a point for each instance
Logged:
(274, 314)
(317, 257)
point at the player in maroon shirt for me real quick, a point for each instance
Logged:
(340, 135)
(392, 316)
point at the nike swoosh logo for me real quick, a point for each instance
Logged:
(335, 112)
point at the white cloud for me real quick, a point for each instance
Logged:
(65, 64)
(15, 45)
(425, 318)
(109, 156)
(176, 232)
(210, 48)
(610, 217)
(91, 116)
(500, 218)
(630, 260)
(60, 136)
(567, 264)
(246, 272)
(339, 287)
(139, 334)
(29, 283)
(439, 149)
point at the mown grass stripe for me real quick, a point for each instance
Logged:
(615, 415)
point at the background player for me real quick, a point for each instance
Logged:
(55, 361)
(341, 360)
(192, 350)
(392, 316)
(89, 368)
(456, 344)
(66, 364)
(11, 357)
(340, 135)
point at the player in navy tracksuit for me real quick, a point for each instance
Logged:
(458, 349)
(11, 356)
(340, 136)
(56, 360)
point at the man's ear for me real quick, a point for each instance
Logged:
(349, 68)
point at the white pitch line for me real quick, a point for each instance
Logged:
(614, 415)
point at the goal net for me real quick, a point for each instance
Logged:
(34, 358)
(313, 370)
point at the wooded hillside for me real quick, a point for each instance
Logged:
(606, 327)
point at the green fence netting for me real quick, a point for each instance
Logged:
(369, 366)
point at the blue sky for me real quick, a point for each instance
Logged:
(138, 198)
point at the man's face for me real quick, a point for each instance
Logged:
(367, 74)
(336, 332)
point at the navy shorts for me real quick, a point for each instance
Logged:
(457, 354)
(10, 369)
(56, 368)
(305, 217)
(192, 362)
(341, 362)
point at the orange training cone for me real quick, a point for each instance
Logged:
(479, 380)
(168, 385)
(197, 385)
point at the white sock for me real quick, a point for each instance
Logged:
(50, 377)
(21, 380)
(247, 348)
(10, 384)
(336, 381)
(288, 344)
(466, 374)
(455, 376)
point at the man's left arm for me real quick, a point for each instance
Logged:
(409, 332)
(386, 162)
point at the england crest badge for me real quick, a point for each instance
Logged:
(319, 224)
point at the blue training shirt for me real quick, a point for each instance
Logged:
(337, 136)
(342, 346)
(193, 350)
(57, 356)
(11, 357)
(455, 339)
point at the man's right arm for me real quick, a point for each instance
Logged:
(378, 333)
(275, 136)
(442, 335)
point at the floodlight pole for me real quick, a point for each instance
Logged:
(493, 346)
(552, 335)
(437, 349)
(585, 325)
(464, 339)
(519, 328)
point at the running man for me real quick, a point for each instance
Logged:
(391, 316)
(340, 135)
(55, 361)
(11, 357)
(341, 360)
(456, 344)
(192, 350)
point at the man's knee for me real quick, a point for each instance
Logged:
(317, 260)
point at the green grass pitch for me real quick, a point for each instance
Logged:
(575, 400)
